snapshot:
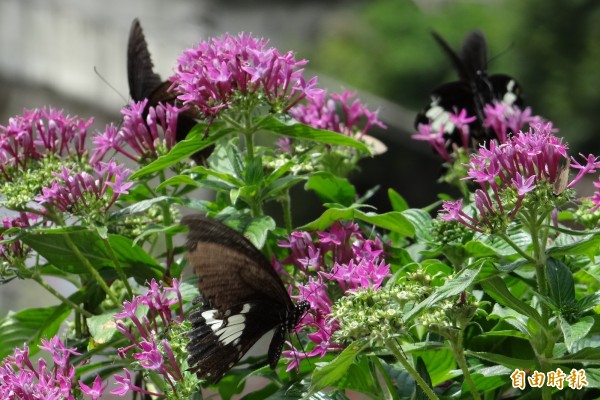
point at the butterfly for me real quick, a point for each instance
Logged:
(243, 298)
(474, 89)
(144, 83)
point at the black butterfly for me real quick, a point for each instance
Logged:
(472, 92)
(144, 83)
(243, 298)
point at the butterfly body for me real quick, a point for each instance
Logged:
(243, 299)
(471, 92)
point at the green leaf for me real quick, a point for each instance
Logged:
(397, 201)
(51, 244)
(360, 378)
(299, 390)
(561, 283)
(509, 362)
(144, 205)
(478, 248)
(496, 288)
(102, 327)
(488, 379)
(184, 149)
(577, 331)
(331, 189)
(226, 177)
(421, 221)
(587, 246)
(399, 382)
(134, 259)
(421, 369)
(29, 326)
(492, 245)
(258, 229)
(440, 364)
(254, 229)
(274, 188)
(506, 333)
(588, 302)
(452, 287)
(332, 372)
(586, 355)
(178, 180)
(392, 221)
(230, 385)
(254, 173)
(300, 131)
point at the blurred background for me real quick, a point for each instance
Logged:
(381, 48)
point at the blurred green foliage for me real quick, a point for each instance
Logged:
(551, 47)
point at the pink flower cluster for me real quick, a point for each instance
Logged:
(20, 378)
(40, 133)
(16, 249)
(500, 121)
(336, 261)
(70, 189)
(210, 75)
(143, 130)
(320, 112)
(148, 349)
(526, 160)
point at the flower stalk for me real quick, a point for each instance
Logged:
(397, 352)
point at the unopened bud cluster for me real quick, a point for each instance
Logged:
(375, 315)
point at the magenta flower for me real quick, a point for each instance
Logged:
(500, 121)
(436, 138)
(146, 347)
(40, 133)
(335, 262)
(526, 161)
(320, 111)
(70, 190)
(210, 75)
(143, 133)
(590, 167)
(96, 391)
(15, 249)
(21, 379)
(504, 120)
(595, 198)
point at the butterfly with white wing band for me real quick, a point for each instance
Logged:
(472, 92)
(243, 299)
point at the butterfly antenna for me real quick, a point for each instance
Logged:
(401, 349)
(303, 350)
(109, 85)
(506, 50)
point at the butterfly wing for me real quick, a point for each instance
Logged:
(143, 81)
(219, 340)
(243, 299)
(230, 269)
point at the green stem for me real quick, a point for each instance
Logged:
(393, 347)
(167, 221)
(249, 146)
(92, 271)
(459, 355)
(539, 240)
(59, 296)
(512, 244)
(118, 266)
(286, 205)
